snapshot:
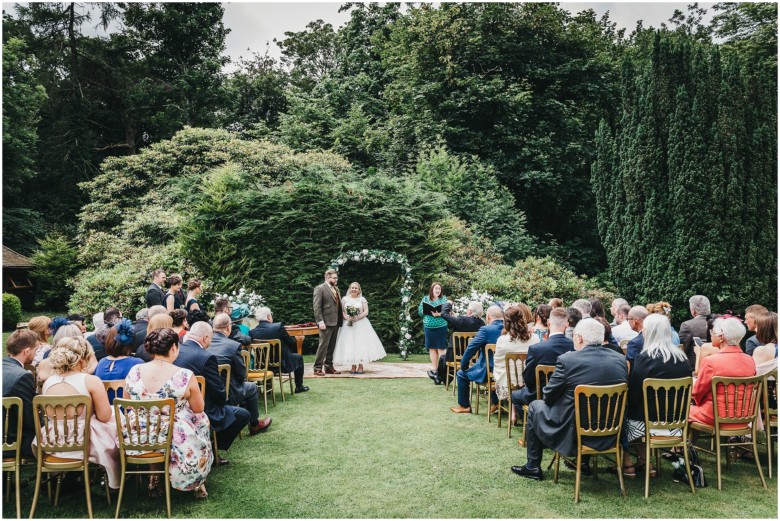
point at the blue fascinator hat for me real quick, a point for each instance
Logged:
(56, 323)
(125, 334)
(240, 311)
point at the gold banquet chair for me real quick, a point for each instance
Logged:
(113, 388)
(13, 464)
(145, 440)
(275, 365)
(202, 386)
(224, 374)
(257, 371)
(741, 397)
(671, 400)
(624, 345)
(459, 343)
(514, 363)
(770, 414)
(589, 403)
(489, 384)
(543, 374)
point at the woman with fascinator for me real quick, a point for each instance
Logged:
(119, 343)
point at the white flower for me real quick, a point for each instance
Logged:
(365, 252)
(405, 300)
(407, 336)
(340, 261)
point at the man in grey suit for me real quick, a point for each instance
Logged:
(697, 326)
(551, 421)
(327, 314)
(19, 383)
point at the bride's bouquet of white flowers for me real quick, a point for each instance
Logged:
(352, 312)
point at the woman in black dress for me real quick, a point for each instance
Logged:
(171, 299)
(194, 290)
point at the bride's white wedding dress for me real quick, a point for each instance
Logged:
(358, 343)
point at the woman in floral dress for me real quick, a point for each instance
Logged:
(191, 455)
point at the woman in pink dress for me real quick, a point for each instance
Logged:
(68, 361)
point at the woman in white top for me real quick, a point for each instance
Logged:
(516, 337)
(765, 356)
(357, 342)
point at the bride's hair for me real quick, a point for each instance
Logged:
(359, 288)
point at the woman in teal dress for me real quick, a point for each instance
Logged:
(435, 327)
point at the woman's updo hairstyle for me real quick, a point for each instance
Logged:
(516, 325)
(160, 341)
(193, 285)
(68, 353)
(178, 316)
(174, 280)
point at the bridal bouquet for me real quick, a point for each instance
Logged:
(352, 311)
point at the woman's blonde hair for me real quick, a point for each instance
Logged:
(68, 353)
(65, 332)
(159, 321)
(661, 308)
(40, 326)
(360, 290)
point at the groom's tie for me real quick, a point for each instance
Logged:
(334, 293)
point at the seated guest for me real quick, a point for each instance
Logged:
(597, 308)
(97, 323)
(665, 309)
(730, 361)
(516, 337)
(584, 307)
(226, 420)
(18, 383)
(660, 358)
(157, 321)
(267, 329)
(551, 420)
(69, 360)
(40, 326)
(751, 312)
(197, 315)
(77, 319)
(574, 317)
(487, 334)
(242, 393)
(765, 355)
(636, 317)
(141, 322)
(541, 327)
(708, 348)
(622, 331)
(471, 322)
(543, 353)
(555, 303)
(194, 289)
(222, 305)
(614, 309)
(180, 324)
(115, 366)
(696, 327)
(111, 316)
(191, 454)
(609, 341)
(62, 333)
(172, 300)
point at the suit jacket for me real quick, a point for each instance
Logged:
(554, 419)
(202, 363)
(487, 334)
(228, 351)
(154, 296)
(276, 331)
(326, 308)
(465, 324)
(634, 347)
(17, 382)
(544, 353)
(100, 349)
(140, 334)
(697, 326)
(238, 336)
(646, 367)
(730, 361)
(751, 344)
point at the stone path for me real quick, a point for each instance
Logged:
(377, 370)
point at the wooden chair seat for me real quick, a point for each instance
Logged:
(734, 430)
(260, 375)
(55, 459)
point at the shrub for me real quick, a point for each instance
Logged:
(12, 311)
(56, 261)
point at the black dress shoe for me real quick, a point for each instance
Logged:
(301, 389)
(525, 472)
(433, 375)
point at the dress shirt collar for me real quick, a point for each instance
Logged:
(552, 334)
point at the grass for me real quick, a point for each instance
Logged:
(391, 449)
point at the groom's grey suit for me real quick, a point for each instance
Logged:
(327, 308)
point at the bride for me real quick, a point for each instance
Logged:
(357, 343)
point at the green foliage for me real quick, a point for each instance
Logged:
(12, 311)
(750, 28)
(56, 261)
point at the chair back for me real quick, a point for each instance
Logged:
(274, 354)
(114, 389)
(224, 373)
(736, 399)
(201, 384)
(245, 357)
(543, 374)
(145, 425)
(624, 345)
(514, 363)
(770, 393)
(12, 417)
(62, 423)
(599, 409)
(490, 351)
(667, 403)
(460, 341)
(259, 354)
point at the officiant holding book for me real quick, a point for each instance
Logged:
(435, 327)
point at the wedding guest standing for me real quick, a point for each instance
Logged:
(327, 313)
(435, 328)
(194, 290)
(172, 300)
(155, 294)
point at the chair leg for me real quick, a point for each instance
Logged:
(688, 468)
(121, 491)
(477, 409)
(167, 479)
(619, 466)
(499, 412)
(717, 460)
(755, 458)
(38, 477)
(273, 394)
(525, 420)
(509, 418)
(265, 400)
(18, 478)
(87, 491)
(59, 486)
(647, 466)
(290, 379)
(7, 486)
(557, 460)
(281, 386)
(577, 477)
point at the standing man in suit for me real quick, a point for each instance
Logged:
(551, 421)
(466, 324)
(242, 393)
(487, 334)
(19, 383)
(327, 313)
(697, 326)
(155, 294)
(267, 329)
(226, 420)
(543, 353)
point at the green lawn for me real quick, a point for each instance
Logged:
(368, 448)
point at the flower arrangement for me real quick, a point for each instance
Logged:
(352, 312)
(461, 304)
(384, 257)
(251, 299)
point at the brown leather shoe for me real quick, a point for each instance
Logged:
(261, 426)
(330, 370)
(460, 410)
(319, 372)
(494, 409)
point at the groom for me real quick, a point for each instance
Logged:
(327, 313)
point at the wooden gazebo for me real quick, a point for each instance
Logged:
(16, 276)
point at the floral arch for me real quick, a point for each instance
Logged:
(384, 257)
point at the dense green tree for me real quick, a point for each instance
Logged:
(56, 262)
(255, 95)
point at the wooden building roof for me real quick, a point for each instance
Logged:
(12, 259)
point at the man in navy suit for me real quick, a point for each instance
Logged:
(267, 329)
(154, 294)
(226, 420)
(471, 322)
(487, 334)
(636, 319)
(19, 383)
(543, 353)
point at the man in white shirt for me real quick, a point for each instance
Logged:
(623, 331)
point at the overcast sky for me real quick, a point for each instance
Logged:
(254, 25)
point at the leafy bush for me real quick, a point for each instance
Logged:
(56, 261)
(12, 311)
